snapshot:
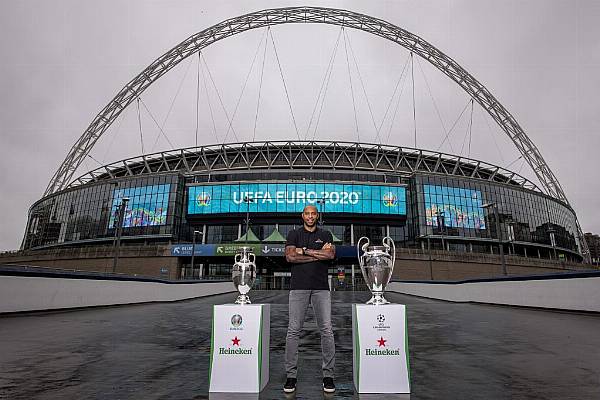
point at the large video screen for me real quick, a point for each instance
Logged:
(292, 197)
(147, 206)
(461, 208)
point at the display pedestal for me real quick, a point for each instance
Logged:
(380, 349)
(239, 354)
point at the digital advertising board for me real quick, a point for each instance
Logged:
(293, 197)
(456, 207)
(147, 206)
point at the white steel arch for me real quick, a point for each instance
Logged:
(277, 16)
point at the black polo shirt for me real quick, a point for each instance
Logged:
(311, 275)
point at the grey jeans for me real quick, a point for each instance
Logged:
(321, 304)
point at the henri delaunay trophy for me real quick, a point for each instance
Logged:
(243, 273)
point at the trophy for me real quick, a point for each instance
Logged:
(243, 273)
(377, 264)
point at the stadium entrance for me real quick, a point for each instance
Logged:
(273, 272)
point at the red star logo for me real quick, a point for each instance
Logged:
(236, 341)
(381, 342)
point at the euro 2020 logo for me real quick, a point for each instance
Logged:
(236, 320)
(390, 199)
(203, 199)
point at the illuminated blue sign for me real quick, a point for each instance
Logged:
(292, 197)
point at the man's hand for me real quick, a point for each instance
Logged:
(327, 252)
(295, 255)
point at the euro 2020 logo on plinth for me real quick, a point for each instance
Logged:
(236, 321)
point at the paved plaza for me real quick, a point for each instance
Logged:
(161, 351)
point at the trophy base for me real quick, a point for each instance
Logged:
(243, 299)
(378, 300)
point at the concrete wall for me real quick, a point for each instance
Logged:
(411, 264)
(414, 264)
(578, 292)
(29, 293)
(140, 260)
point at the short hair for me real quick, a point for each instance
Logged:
(310, 205)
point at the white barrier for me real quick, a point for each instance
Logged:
(573, 293)
(25, 293)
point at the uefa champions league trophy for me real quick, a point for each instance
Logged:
(243, 273)
(377, 264)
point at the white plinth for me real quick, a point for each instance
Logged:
(239, 353)
(380, 349)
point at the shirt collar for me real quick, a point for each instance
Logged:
(307, 231)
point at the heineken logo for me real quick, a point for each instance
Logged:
(239, 350)
(382, 352)
(227, 350)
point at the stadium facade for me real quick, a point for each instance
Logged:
(424, 200)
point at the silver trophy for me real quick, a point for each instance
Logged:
(377, 264)
(243, 273)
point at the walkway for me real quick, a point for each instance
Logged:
(161, 351)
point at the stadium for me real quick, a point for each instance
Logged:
(423, 200)
(183, 213)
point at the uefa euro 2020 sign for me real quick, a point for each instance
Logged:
(293, 197)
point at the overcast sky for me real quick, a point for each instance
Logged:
(63, 61)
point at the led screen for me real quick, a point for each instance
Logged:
(461, 207)
(147, 206)
(292, 197)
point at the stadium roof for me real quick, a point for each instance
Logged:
(304, 155)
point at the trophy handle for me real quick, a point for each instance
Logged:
(251, 257)
(390, 246)
(237, 258)
(363, 248)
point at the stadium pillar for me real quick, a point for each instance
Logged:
(352, 243)
(494, 206)
(118, 232)
(247, 200)
(194, 250)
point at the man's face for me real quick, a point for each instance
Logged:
(310, 216)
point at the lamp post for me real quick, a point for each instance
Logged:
(429, 253)
(321, 211)
(511, 234)
(248, 200)
(494, 206)
(441, 222)
(194, 250)
(551, 232)
(120, 214)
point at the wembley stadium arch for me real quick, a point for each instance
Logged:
(438, 196)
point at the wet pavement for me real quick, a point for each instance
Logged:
(161, 351)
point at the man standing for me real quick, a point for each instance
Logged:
(310, 250)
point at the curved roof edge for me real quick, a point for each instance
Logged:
(303, 155)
